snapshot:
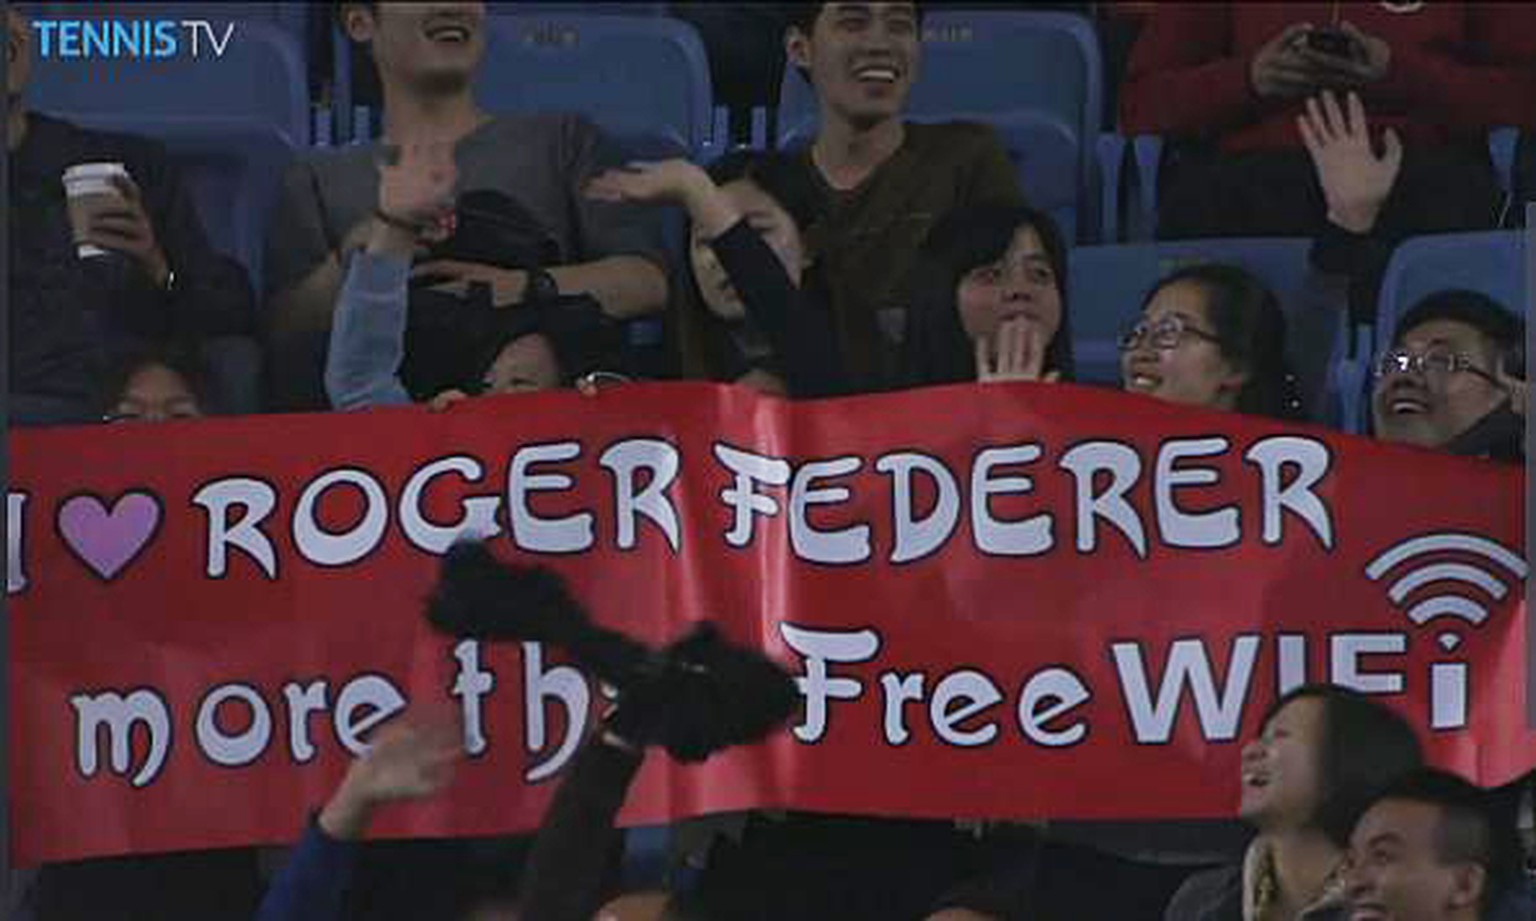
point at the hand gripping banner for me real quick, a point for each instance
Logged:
(999, 601)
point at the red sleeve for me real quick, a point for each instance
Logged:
(1183, 77)
(1498, 89)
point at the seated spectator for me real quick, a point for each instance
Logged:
(1454, 378)
(1320, 755)
(1431, 847)
(988, 300)
(1212, 336)
(155, 385)
(124, 264)
(453, 345)
(1233, 77)
(748, 320)
(880, 182)
(532, 167)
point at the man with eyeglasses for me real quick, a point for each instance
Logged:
(1454, 378)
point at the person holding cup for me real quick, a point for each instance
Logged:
(107, 254)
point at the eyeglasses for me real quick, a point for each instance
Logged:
(1164, 334)
(1429, 364)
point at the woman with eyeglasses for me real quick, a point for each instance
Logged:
(988, 300)
(1211, 336)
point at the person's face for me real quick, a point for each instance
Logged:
(525, 364)
(1191, 370)
(433, 46)
(155, 393)
(1281, 779)
(18, 54)
(1395, 873)
(1428, 406)
(862, 59)
(775, 226)
(1021, 285)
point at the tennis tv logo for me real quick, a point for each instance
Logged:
(131, 39)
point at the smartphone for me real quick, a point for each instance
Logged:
(1330, 41)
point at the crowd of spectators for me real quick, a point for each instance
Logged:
(464, 253)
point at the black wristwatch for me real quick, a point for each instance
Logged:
(541, 287)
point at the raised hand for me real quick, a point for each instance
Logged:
(1016, 352)
(406, 759)
(416, 189)
(1355, 180)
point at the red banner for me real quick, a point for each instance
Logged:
(1001, 601)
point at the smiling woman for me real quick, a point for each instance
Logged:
(987, 300)
(1322, 753)
(1212, 336)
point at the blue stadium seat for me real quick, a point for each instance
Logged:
(1491, 262)
(1037, 77)
(1107, 284)
(645, 80)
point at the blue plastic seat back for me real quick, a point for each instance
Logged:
(1108, 283)
(641, 78)
(1490, 262)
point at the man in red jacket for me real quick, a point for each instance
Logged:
(1234, 76)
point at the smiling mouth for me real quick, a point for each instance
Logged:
(1405, 404)
(879, 74)
(449, 33)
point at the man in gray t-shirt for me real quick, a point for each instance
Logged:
(426, 57)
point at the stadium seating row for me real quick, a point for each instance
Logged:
(234, 123)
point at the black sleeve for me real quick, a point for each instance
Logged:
(800, 332)
(211, 295)
(564, 876)
(1362, 258)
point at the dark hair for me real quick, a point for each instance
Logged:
(179, 357)
(1470, 829)
(1503, 329)
(935, 347)
(1250, 331)
(803, 16)
(782, 178)
(1364, 748)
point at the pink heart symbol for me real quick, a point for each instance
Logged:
(105, 540)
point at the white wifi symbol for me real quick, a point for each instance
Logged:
(1447, 605)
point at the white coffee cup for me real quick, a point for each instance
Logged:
(90, 189)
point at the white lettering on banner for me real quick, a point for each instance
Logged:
(1345, 652)
(242, 747)
(749, 469)
(569, 689)
(364, 702)
(1310, 457)
(571, 534)
(1123, 464)
(1047, 697)
(257, 499)
(848, 545)
(820, 647)
(1187, 666)
(477, 522)
(324, 548)
(625, 460)
(472, 683)
(118, 715)
(1029, 537)
(1185, 529)
(917, 538)
(303, 701)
